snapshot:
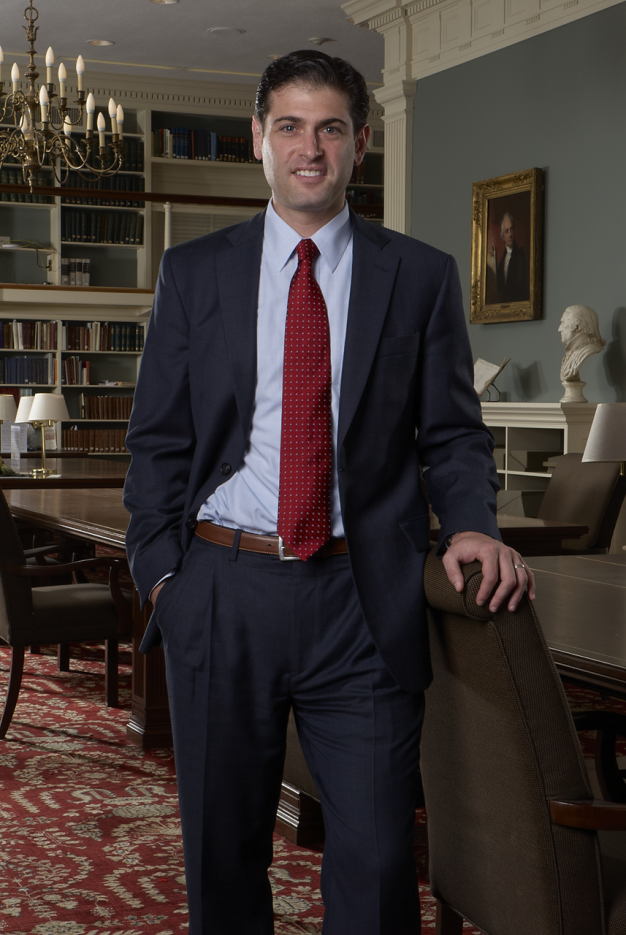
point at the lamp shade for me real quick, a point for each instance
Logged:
(607, 437)
(23, 410)
(48, 407)
(8, 409)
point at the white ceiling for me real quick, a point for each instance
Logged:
(153, 39)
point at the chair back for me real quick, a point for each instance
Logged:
(498, 744)
(590, 493)
(15, 593)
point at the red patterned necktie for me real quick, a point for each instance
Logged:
(305, 443)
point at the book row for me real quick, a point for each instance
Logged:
(103, 336)
(118, 183)
(369, 172)
(105, 407)
(28, 335)
(110, 227)
(75, 272)
(370, 196)
(41, 370)
(76, 371)
(75, 335)
(181, 143)
(132, 160)
(94, 440)
(9, 177)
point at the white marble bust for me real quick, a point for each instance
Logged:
(580, 333)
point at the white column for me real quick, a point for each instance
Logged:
(397, 99)
(167, 233)
(391, 19)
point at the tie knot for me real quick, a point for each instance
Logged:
(307, 250)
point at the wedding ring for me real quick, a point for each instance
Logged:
(519, 566)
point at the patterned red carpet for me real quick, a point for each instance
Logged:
(90, 841)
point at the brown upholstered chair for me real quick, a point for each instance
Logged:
(590, 493)
(66, 613)
(511, 817)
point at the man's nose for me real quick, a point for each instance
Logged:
(310, 145)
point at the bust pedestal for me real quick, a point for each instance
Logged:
(573, 391)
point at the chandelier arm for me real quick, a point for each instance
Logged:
(36, 140)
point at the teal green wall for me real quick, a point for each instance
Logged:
(556, 101)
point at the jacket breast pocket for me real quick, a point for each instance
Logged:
(417, 531)
(400, 344)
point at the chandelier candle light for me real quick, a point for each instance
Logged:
(34, 140)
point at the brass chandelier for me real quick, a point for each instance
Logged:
(35, 141)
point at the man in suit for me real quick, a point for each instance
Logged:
(511, 274)
(301, 369)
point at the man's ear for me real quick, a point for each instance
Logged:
(257, 137)
(360, 143)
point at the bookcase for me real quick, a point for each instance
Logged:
(81, 342)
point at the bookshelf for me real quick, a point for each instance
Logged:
(95, 368)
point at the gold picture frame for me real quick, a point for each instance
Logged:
(507, 255)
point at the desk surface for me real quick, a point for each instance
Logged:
(93, 514)
(581, 604)
(528, 535)
(75, 473)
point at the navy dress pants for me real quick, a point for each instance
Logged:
(246, 638)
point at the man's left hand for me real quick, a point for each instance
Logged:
(499, 563)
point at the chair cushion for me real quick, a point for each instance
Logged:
(70, 613)
(613, 850)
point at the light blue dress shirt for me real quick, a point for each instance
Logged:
(249, 499)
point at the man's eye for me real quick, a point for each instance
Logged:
(288, 126)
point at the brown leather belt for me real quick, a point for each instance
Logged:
(264, 545)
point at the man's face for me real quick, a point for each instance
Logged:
(508, 229)
(568, 327)
(308, 148)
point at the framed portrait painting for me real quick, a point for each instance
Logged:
(507, 214)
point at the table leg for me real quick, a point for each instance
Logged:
(149, 724)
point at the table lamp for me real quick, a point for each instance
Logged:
(46, 409)
(8, 410)
(607, 436)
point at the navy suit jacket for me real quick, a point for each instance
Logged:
(407, 367)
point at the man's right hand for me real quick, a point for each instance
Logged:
(154, 593)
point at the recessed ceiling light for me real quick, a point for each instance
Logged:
(225, 31)
(99, 42)
(320, 40)
(163, 1)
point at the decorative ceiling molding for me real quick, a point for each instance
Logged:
(445, 33)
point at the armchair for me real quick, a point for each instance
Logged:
(516, 842)
(63, 614)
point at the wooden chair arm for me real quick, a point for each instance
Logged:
(45, 571)
(590, 814)
(43, 550)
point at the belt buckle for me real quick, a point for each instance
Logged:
(281, 552)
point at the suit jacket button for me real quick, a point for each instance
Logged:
(226, 468)
(191, 524)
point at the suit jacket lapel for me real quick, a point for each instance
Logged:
(373, 276)
(238, 272)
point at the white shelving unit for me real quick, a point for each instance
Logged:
(526, 434)
(72, 305)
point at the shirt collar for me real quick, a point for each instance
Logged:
(331, 240)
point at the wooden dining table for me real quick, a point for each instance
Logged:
(98, 516)
(74, 473)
